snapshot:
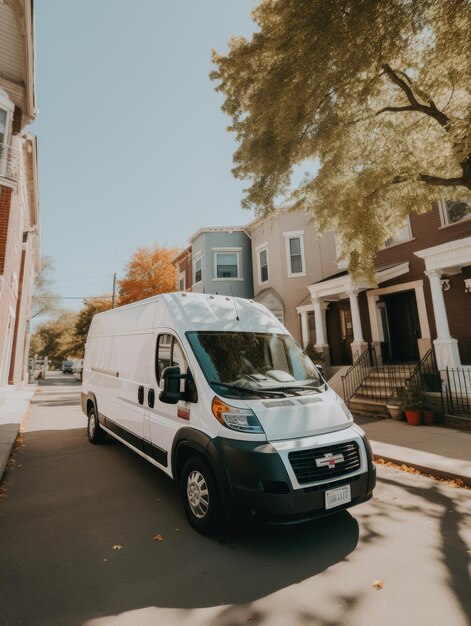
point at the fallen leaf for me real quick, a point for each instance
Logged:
(378, 584)
(177, 529)
(117, 547)
(158, 538)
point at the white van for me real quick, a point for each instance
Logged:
(216, 393)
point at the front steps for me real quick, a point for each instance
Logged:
(371, 397)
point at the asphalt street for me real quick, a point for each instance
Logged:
(95, 535)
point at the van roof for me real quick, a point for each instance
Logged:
(184, 311)
(198, 311)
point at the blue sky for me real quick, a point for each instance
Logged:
(133, 147)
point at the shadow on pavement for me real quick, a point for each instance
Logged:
(88, 516)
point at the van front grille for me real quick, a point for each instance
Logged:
(325, 463)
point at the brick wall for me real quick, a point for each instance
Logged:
(5, 203)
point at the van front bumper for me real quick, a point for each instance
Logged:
(258, 483)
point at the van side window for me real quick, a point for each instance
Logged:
(163, 356)
(169, 353)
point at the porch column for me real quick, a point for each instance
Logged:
(358, 343)
(304, 329)
(321, 344)
(320, 335)
(446, 348)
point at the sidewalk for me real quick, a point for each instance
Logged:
(435, 450)
(12, 413)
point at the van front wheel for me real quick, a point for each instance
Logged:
(94, 432)
(200, 496)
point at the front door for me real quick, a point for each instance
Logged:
(401, 326)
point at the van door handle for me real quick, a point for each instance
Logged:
(140, 394)
(151, 398)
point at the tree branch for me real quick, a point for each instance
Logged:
(430, 109)
(445, 182)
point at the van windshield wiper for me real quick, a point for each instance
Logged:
(299, 388)
(271, 393)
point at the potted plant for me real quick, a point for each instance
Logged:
(412, 401)
(427, 415)
(393, 404)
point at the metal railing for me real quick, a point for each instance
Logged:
(426, 375)
(458, 392)
(365, 379)
(356, 375)
(9, 162)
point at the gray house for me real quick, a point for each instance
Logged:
(222, 261)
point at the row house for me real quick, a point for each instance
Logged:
(288, 255)
(423, 276)
(19, 220)
(217, 261)
(422, 298)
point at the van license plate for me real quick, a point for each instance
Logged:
(338, 496)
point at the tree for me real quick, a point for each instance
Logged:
(83, 321)
(44, 301)
(149, 272)
(376, 93)
(54, 337)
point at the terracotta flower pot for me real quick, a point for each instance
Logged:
(413, 418)
(427, 417)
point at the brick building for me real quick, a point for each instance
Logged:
(19, 223)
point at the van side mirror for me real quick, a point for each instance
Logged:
(170, 385)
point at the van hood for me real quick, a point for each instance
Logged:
(302, 416)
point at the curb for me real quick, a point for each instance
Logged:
(429, 471)
(8, 436)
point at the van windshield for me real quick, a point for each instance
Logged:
(258, 364)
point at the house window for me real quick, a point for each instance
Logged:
(198, 269)
(453, 211)
(295, 253)
(181, 281)
(226, 263)
(3, 125)
(263, 273)
(403, 233)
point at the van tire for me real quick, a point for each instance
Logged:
(200, 496)
(94, 431)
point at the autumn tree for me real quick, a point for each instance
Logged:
(149, 272)
(53, 338)
(374, 95)
(83, 320)
(44, 301)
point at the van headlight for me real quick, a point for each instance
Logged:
(243, 420)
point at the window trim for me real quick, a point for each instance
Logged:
(259, 249)
(198, 257)
(238, 252)
(399, 242)
(444, 216)
(182, 275)
(295, 234)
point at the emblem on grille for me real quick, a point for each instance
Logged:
(329, 460)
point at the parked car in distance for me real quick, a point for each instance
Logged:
(67, 367)
(216, 393)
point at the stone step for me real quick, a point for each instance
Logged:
(368, 406)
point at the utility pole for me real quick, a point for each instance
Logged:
(114, 291)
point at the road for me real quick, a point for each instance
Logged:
(77, 529)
